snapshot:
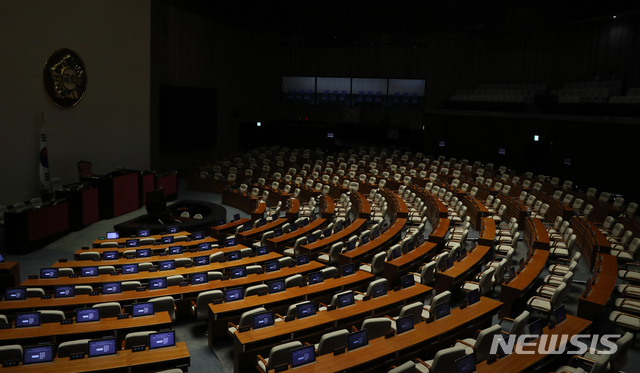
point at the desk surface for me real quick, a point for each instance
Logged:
(445, 280)
(122, 240)
(372, 246)
(277, 242)
(252, 233)
(437, 234)
(511, 292)
(594, 303)
(154, 248)
(344, 234)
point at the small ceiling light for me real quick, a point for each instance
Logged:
(614, 17)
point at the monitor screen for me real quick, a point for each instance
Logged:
(199, 278)
(302, 259)
(234, 294)
(315, 278)
(144, 232)
(442, 310)
(48, 272)
(345, 299)
(27, 319)
(521, 265)
(379, 290)
(560, 314)
(396, 252)
(348, 269)
(404, 324)
(449, 262)
(351, 245)
(175, 250)
(407, 281)
(65, 291)
(311, 239)
(357, 339)
(87, 314)
(535, 328)
(15, 293)
(303, 355)
(277, 232)
(134, 242)
(261, 320)
(38, 354)
(230, 242)
(166, 265)
(143, 253)
(197, 235)
(337, 228)
(276, 286)
(236, 217)
(512, 273)
(305, 222)
(271, 266)
(409, 246)
(326, 233)
(130, 268)
(364, 239)
(234, 255)
(162, 339)
(262, 250)
(172, 229)
(200, 261)
(111, 288)
(142, 309)
(247, 226)
(109, 255)
(113, 235)
(204, 246)
(305, 309)
(166, 240)
(102, 347)
(375, 234)
(89, 271)
(473, 296)
(466, 364)
(222, 221)
(463, 253)
(238, 272)
(157, 283)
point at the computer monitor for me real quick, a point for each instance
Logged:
(311, 239)
(442, 310)
(262, 250)
(303, 355)
(143, 253)
(162, 339)
(277, 232)
(222, 221)
(238, 272)
(348, 269)
(113, 235)
(200, 261)
(172, 229)
(463, 253)
(89, 271)
(64, 291)
(37, 354)
(133, 242)
(144, 232)
(305, 309)
(396, 252)
(473, 297)
(449, 262)
(351, 245)
(276, 286)
(262, 319)
(512, 274)
(466, 364)
(521, 265)
(535, 328)
(199, 278)
(302, 259)
(236, 217)
(110, 255)
(379, 290)
(166, 265)
(375, 233)
(48, 272)
(230, 242)
(409, 246)
(364, 239)
(142, 309)
(305, 222)
(102, 347)
(27, 319)
(326, 233)
(112, 287)
(234, 255)
(345, 299)
(407, 281)
(315, 278)
(271, 266)
(176, 250)
(15, 293)
(87, 314)
(421, 240)
(233, 294)
(357, 339)
(130, 268)
(1, 258)
(157, 283)
(247, 227)
(204, 246)
(337, 229)
(167, 240)
(560, 314)
(197, 235)
(404, 324)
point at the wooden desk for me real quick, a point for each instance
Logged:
(50, 332)
(461, 270)
(594, 303)
(476, 210)
(9, 275)
(361, 205)
(412, 343)
(343, 235)
(535, 234)
(440, 230)
(515, 209)
(435, 208)
(278, 243)
(327, 206)
(374, 246)
(247, 237)
(529, 362)
(125, 360)
(488, 232)
(220, 314)
(513, 291)
(242, 201)
(155, 249)
(34, 228)
(402, 265)
(259, 341)
(123, 240)
(589, 239)
(294, 209)
(221, 231)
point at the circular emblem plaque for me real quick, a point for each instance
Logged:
(65, 78)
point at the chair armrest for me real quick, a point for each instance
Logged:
(358, 292)
(547, 287)
(466, 344)
(553, 277)
(230, 324)
(260, 358)
(506, 318)
(279, 316)
(420, 361)
(322, 304)
(354, 328)
(632, 265)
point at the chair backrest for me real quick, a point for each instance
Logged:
(428, 272)
(445, 296)
(164, 304)
(245, 318)
(414, 309)
(519, 323)
(332, 341)
(256, 289)
(484, 342)
(281, 354)
(203, 300)
(445, 359)
(377, 264)
(292, 281)
(108, 309)
(11, 352)
(65, 349)
(137, 339)
(48, 316)
(486, 280)
(376, 326)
